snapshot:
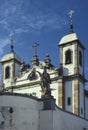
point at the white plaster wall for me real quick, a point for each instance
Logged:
(66, 121)
(35, 90)
(28, 115)
(81, 95)
(46, 120)
(17, 68)
(68, 68)
(23, 79)
(69, 93)
(86, 107)
(54, 91)
(60, 120)
(25, 114)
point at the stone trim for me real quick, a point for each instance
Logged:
(61, 55)
(72, 77)
(2, 73)
(76, 69)
(76, 97)
(60, 94)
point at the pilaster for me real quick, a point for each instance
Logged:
(76, 97)
(76, 59)
(61, 55)
(60, 94)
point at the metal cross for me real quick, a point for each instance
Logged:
(71, 24)
(70, 15)
(11, 41)
(35, 48)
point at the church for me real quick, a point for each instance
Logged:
(42, 96)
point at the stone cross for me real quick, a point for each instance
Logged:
(35, 48)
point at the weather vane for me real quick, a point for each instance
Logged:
(11, 41)
(35, 48)
(71, 23)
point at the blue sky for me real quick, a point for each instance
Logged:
(42, 21)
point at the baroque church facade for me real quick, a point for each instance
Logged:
(65, 84)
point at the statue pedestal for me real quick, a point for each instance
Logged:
(48, 103)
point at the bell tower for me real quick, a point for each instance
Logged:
(71, 89)
(10, 67)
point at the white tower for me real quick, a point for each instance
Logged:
(10, 67)
(72, 85)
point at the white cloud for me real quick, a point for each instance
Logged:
(4, 24)
(45, 20)
(21, 30)
(22, 16)
(3, 43)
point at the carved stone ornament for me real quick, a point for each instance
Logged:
(33, 75)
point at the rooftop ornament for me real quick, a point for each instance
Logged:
(11, 42)
(35, 48)
(71, 22)
(35, 60)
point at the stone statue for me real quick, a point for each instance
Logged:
(45, 84)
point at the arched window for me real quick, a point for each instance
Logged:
(80, 58)
(7, 72)
(68, 57)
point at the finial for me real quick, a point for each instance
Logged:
(35, 60)
(71, 22)
(35, 48)
(11, 41)
(47, 59)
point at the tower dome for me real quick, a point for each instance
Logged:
(68, 38)
(11, 56)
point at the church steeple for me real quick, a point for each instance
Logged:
(10, 65)
(72, 61)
